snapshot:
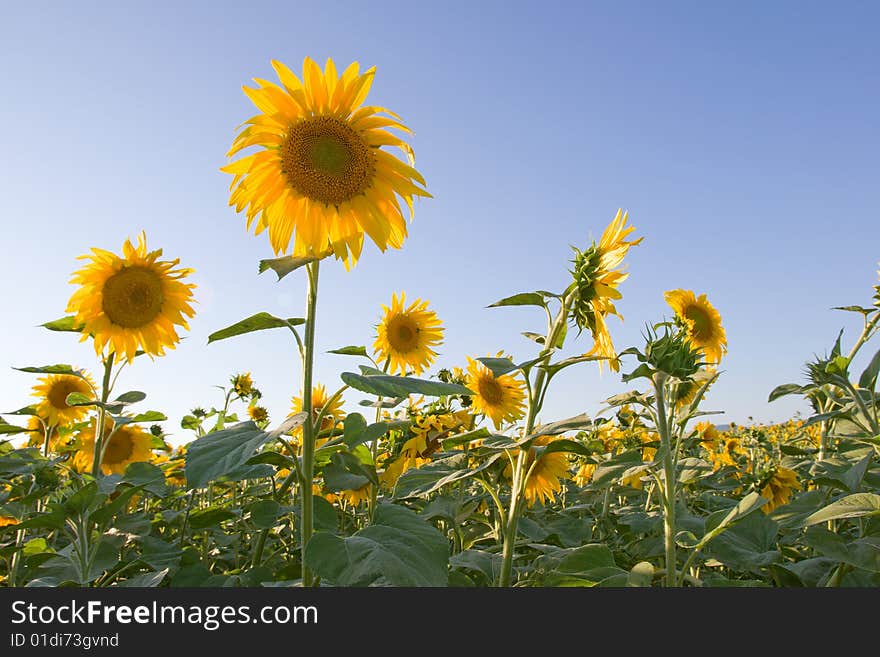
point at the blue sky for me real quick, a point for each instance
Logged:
(741, 137)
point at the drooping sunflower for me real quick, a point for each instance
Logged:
(546, 472)
(357, 496)
(132, 302)
(779, 487)
(332, 415)
(701, 321)
(501, 398)
(258, 414)
(406, 335)
(709, 436)
(597, 274)
(126, 444)
(52, 390)
(585, 473)
(320, 177)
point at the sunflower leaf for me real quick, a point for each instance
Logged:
(851, 506)
(27, 410)
(284, 266)
(8, 429)
(521, 299)
(60, 368)
(351, 350)
(258, 322)
(67, 324)
(395, 386)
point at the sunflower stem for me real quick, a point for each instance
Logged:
(102, 415)
(308, 456)
(668, 490)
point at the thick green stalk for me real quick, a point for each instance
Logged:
(518, 485)
(308, 427)
(102, 415)
(668, 479)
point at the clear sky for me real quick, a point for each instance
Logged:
(741, 137)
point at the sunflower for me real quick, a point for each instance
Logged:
(710, 438)
(585, 473)
(701, 321)
(597, 275)
(131, 302)
(320, 176)
(731, 448)
(8, 521)
(358, 495)
(53, 390)
(779, 488)
(406, 335)
(332, 415)
(127, 444)
(243, 384)
(258, 414)
(500, 398)
(544, 481)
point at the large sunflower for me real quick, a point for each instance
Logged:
(597, 274)
(406, 335)
(701, 321)
(131, 302)
(501, 398)
(320, 176)
(52, 390)
(127, 444)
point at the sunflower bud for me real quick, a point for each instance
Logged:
(586, 266)
(673, 354)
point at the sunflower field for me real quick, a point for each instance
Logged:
(442, 477)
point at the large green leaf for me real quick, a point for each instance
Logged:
(66, 324)
(420, 482)
(226, 452)
(259, 322)
(385, 385)
(749, 544)
(398, 549)
(852, 506)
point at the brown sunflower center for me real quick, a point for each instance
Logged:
(702, 323)
(325, 159)
(119, 449)
(403, 334)
(57, 395)
(490, 390)
(132, 297)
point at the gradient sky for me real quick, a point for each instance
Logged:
(741, 137)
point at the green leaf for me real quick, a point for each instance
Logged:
(77, 503)
(35, 546)
(521, 299)
(395, 386)
(642, 371)
(66, 324)
(147, 476)
(60, 368)
(346, 472)
(748, 545)
(145, 580)
(264, 513)
(287, 264)
(131, 397)
(27, 410)
(842, 473)
(159, 554)
(223, 452)
(259, 322)
(397, 549)
(858, 505)
(213, 515)
(420, 482)
(623, 465)
(487, 563)
(787, 389)
(9, 429)
(562, 445)
(466, 437)
(351, 350)
(576, 423)
(147, 416)
(868, 379)
(554, 368)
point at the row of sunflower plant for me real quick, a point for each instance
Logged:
(448, 477)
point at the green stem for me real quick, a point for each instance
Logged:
(668, 479)
(308, 428)
(102, 414)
